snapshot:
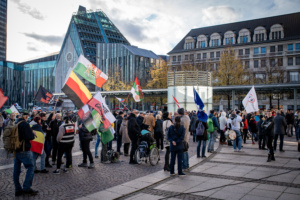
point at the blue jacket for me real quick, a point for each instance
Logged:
(177, 136)
(215, 121)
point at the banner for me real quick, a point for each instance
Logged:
(12, 109)
(202, 116)
(3, 98)
(37, 144)
(43, 95)
(177, 103)
(250, 101)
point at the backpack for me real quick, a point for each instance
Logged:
(11, 141)
(200, 129)
(210, 125)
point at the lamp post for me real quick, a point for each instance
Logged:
(174, 68)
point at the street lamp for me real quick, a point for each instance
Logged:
(174, 68)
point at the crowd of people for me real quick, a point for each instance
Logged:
(171, 133)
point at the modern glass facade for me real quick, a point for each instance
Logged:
(3, 28)
(86, 29)
(130, 61)
(19, 80)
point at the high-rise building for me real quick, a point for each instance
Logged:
(85, 30)
(3, 28)
(269, 49)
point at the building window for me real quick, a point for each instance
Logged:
(280, 62)
(215, 42)
(204, 55)
(290, 47)
(297, 46)
(276, 35)
(247, 64)
(218, 54)
(272, 62)
(244, 39)
(290, 61)
(186, 57)
(297, 60)
(191, 56)
(260, 37)
(263, 50)
(189, 45)
(280, 48)
(263, 63)
(272, 49)
(255, 63)
(229, 40)
(217, 66)
(199, 56)
(179, 58)
(294, 76)
(260, 77)
(174, 58)
(212, 54)
(256, 51)
(247, 51)
(201, 44)
(241, 52)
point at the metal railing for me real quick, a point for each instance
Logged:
(189, 78)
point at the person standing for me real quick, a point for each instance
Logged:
(268, 128)
(48, 139)
(212, 133)
(253, 128)
(24, 156)
(279, 130)
(133, 132)
(54, 125)
(140, 119)
(158, 132)
(194, 119)
(245, 128)
(166, 126)
(125, 138)
(235, 126)
(185, 122)
(176, 136)
(1, 124)
(65, 139)
(150, 121)
(201, 138)
(261, 133)
(119, 135)
(85, 138)
(290, 123)
(223, 122)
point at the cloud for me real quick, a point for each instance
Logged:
(219, 15)
(50, 39)
(31, 48)
(26, 9)
(151, 17)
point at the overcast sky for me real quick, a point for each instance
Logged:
(37, 27)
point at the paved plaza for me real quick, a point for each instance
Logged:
(223, 175)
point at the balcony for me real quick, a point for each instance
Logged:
(297, 52)
(244, 56)
(259, 55)
(275, 54)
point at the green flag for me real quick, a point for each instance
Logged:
(105, 135)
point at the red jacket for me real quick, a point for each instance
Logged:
(245, 124)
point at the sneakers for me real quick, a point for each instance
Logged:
(56, 171)
(44, 171)
(48, 165)
(65, 171)
(82, 165)
(37, 171)
(30, 192)
(203, 156)
(92, 165)
(181, 174)
(18, 193)
(172, 174)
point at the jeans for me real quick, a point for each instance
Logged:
(64, 148)
(281, 141)
(211, 141)
(290, 129)
(194, 136)
(167, 157)
(179, 161)
(238, 140)
(97, 145)
(35, 156)
(27, 160)
(85, 146)
(185, 160)
(48, 148)
(119, 142)
(203, 147)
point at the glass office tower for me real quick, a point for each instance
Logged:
(3, 28)
(85, 30)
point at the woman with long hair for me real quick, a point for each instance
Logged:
(166, 125)
(176, 136)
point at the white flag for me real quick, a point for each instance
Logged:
(250, 101)
(108, 115)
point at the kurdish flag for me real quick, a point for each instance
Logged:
(76, 90)
(136, 91)
(37, 145)
(90, 117)
(90, 72)
(12, 109)
(106, 135)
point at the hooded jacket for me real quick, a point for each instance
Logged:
(223, 121)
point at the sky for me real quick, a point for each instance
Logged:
(37, 27)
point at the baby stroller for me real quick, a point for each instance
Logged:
(147, 149)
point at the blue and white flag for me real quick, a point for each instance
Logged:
(202, 116)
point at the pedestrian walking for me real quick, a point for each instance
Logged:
(279, 130)
(85, 138)
(24, 156)
(176, 136)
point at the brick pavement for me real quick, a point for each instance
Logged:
(79, 182)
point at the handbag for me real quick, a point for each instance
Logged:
(185, 146)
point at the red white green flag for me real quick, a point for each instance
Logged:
(136, 91)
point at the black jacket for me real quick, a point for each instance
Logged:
(139, 121)
(158, 129)
(204, 136)
(177, 136)
(133, 128)
(54, 125)
(84, 134)
(259, 127)
(268, 127)
(118, 123)
(26, 134)
(279, 125)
